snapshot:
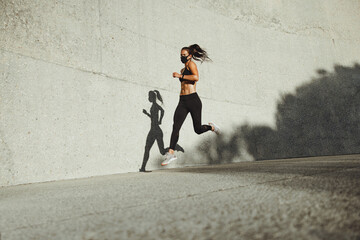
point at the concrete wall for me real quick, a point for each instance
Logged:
(75, 75)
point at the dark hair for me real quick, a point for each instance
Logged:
(197, 53)
(158, 95)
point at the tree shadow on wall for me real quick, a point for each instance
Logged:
(321, 118)
(224, 148)
(155, 133)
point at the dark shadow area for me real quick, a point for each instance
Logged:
(222, 148)
(321, 118)
(337, 174)
(155, 133)
(298, 166)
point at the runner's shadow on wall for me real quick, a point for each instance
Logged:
(156, 115)
(321, 118)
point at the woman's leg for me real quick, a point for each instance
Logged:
(195, 107)
(179, 118)
(149, 143)
(160, 141)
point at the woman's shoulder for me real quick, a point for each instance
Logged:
(192, 66)
(192, 63)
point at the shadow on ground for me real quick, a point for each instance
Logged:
(335, 174)
(321, 118)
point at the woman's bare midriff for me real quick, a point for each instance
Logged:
(187, 88)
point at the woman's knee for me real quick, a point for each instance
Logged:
(198, 130)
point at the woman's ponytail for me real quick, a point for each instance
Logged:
(158, 95)
(198, 53)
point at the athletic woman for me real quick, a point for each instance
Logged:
(189, 101)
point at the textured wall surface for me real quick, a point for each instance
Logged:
(76, 75)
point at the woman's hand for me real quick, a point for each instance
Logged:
(176, 75)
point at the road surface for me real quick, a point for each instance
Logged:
(303, 198)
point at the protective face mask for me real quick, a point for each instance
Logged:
(184, 59)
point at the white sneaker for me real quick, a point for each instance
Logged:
(216, 128)
(168, 158)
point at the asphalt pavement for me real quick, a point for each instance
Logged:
(302, 198)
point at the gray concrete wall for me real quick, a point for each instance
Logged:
(75, 75)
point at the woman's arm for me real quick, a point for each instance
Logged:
(162, 115)
(146, 113)
(194, 71)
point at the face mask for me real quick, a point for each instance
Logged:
(184, 59)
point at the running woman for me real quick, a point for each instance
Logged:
(189, 101)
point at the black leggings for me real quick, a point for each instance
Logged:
(187, 103)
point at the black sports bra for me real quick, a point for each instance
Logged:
(186, 72)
